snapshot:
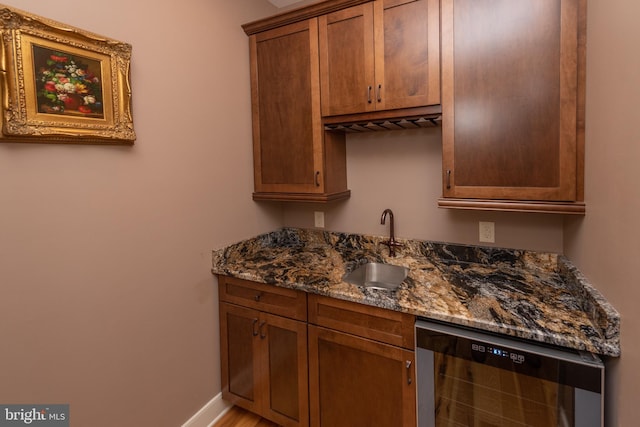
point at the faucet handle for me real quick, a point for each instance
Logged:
(393, 245)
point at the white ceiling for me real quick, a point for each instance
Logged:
(284, 3)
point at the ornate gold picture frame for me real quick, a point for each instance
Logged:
(60, 84)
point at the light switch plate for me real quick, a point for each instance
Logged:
(487, 232)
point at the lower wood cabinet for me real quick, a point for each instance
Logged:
(358, 382)
(354, 380)
(301, 360)
(263, 355)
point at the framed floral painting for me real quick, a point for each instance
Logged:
(60, 84)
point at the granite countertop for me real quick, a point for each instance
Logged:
(531, 295)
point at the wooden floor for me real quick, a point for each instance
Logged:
(237, 417)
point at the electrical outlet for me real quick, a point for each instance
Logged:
(318, 219)
(487, 232)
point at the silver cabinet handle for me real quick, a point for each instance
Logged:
(409, 372)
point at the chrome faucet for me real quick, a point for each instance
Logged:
(392, 239)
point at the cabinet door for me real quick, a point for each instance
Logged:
(357, 382)
(264, 364)
(286, 386)
(511, 99)
(287, 133)
(407, 53)
(379, 56)
(347, 63)
(239, 354)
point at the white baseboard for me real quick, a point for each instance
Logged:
(209, 414)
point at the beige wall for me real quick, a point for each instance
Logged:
(401, 170)
(605, 245)
(107, 301)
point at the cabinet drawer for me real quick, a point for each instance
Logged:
(375, 323)
(268, 298)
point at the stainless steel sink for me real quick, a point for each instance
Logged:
(377, 275)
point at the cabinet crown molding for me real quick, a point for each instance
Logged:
(299, 14)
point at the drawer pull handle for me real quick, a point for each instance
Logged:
(379, 93)
(369, 94)
(253, 328)
(409, 372)
(257, 297)
(317, 178)
(262, 333)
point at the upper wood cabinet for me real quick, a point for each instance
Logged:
(381, 55)
(513, 104)
(294, 158)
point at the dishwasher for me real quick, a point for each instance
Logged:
(475, 379)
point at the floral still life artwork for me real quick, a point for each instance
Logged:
(62, 84)
(67, 84)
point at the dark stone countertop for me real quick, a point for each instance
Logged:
(532, 295)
